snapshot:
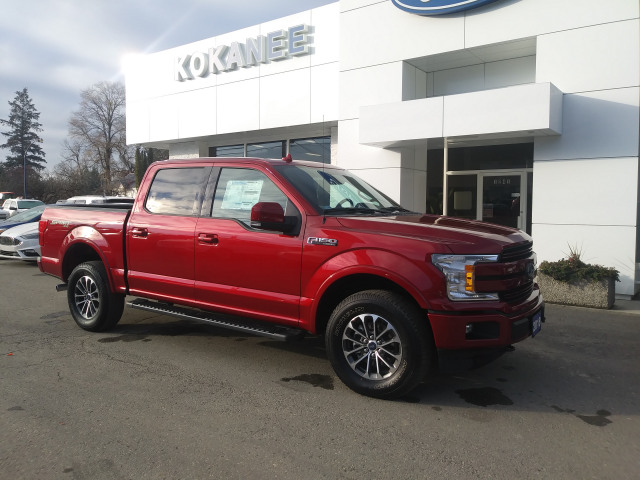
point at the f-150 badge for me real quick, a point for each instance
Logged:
(329, 242)
(438, 7)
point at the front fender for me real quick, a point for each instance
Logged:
(412, 277)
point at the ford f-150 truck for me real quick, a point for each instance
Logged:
(283, 248)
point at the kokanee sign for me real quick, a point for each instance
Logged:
(438, 7)
(275, 46)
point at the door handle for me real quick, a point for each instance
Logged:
(139, 232)
(208, 238)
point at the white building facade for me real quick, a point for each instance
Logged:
(525, 112)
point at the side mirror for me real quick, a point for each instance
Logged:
(270, 216)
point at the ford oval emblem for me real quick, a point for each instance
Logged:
(531, 271)
(438, 7)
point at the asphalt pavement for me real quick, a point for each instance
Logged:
(163, 398)
(631, 307)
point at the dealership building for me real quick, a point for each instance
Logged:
(518, 112)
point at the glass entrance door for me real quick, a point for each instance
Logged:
(499, 196)
(502, 199)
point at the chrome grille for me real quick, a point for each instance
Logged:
(516, 252)
(517, 295)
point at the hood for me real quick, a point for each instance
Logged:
(459, 235)
(22, 229)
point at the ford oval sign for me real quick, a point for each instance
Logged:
(438, 7)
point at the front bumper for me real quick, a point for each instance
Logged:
(461, 350)
(28, 254)
(482, 329)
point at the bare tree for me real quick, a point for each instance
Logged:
(77, 173)
(98, 134)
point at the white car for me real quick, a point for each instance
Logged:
(4, 210)
(20, 243)
(16, 205)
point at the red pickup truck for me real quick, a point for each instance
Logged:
(282, 249)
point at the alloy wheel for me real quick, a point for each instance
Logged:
(372, 346)
(87, 298)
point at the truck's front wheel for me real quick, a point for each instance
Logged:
(378, 344)
(93, 306)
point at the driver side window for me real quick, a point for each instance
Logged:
(239, 189)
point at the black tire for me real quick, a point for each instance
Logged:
(92, 304)
(379, 344)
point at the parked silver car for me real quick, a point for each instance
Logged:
(20, 243)
(31, 215)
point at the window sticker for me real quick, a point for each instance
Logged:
(241, 194)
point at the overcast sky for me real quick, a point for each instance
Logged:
(57, 48)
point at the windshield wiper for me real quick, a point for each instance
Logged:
(395, 210)
(369, 211)
(349, 210)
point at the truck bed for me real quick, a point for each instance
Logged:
(75, 228)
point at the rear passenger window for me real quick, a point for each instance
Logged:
(239, 189)
(175, 191)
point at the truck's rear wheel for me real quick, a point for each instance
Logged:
(378, 344)
(93, 306)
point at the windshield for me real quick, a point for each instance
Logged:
(28, 203)
(337, 191)
(31, 215)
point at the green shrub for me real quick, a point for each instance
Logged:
(574, 269)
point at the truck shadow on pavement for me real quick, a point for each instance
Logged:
(556, 372)
(145, 331)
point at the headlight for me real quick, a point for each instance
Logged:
(459, 273)
(6, 240)
(31, 236)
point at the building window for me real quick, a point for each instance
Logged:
(227, 151)
(266, 149)
(311, 149)
(491, 157)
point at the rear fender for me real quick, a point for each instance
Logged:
(84, 244)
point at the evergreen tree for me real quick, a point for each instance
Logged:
(22, 134)
(144, 158)
(150, 157)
